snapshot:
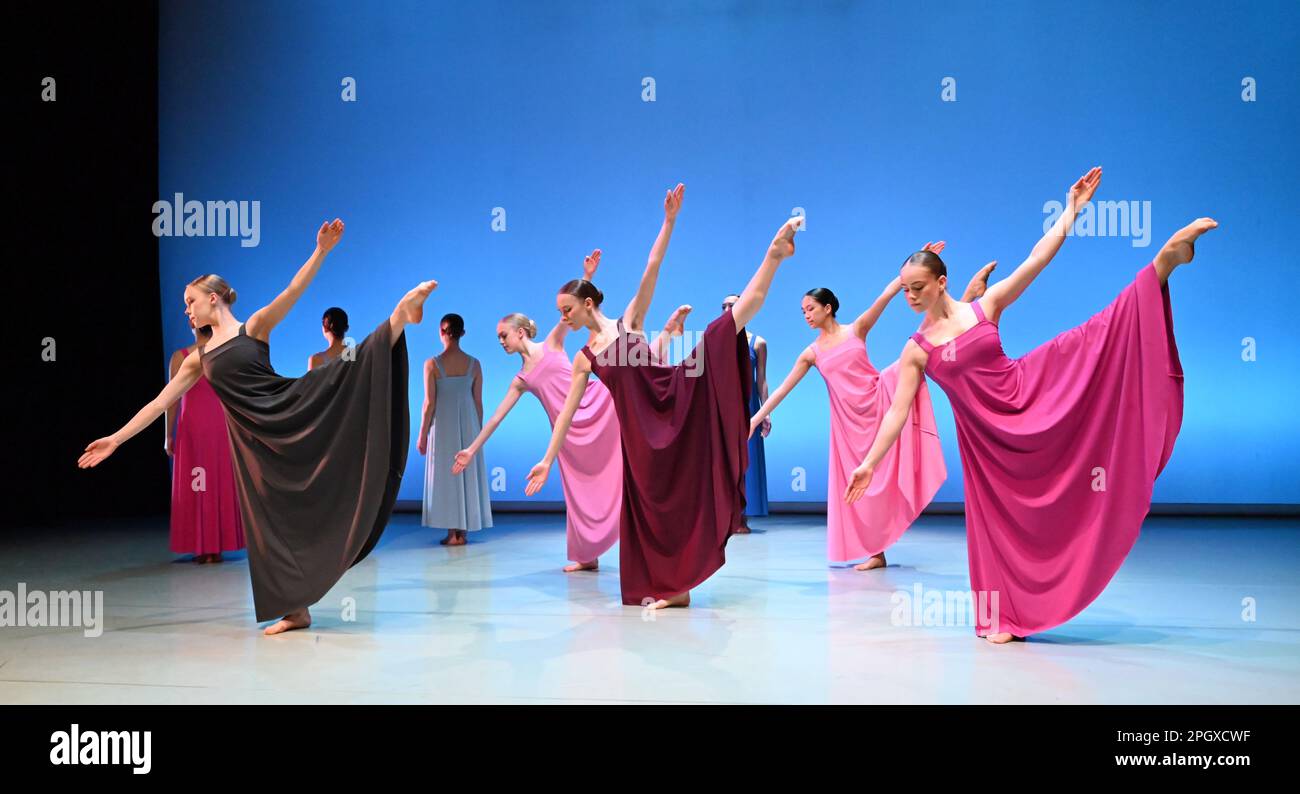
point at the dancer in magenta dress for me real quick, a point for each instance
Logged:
(911, 471)
(1061, 447)
(683, 428)
(205, 519)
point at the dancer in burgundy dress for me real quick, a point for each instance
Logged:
(1061, 447)
(684, 428)
(205, 518)
(318, 458)
(591, 459)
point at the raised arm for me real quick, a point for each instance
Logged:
(634, 314)
(1004, 293)
(265, 319)
(513, 393)
(186, 376)
(577, 387)
(911, 369)
(801, 366)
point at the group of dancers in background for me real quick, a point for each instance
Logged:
(1060, 448)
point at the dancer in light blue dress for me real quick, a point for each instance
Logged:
(453, 416)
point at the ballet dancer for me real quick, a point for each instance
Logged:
(1061, 447)
(334, 327)
(682, 427)
(205, 517)
(453, 414)
(756, 474)
(859, 397)
(296, 441)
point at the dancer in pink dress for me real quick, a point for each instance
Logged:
(1061, 447)
(205, 518)
(911, 471)
(591, 459)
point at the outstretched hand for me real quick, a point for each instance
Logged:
(462, 461)
(1082, 190)
(96, 452)
(537, 478)
(858, 484)
(934, 248)
(673, 201)
(329, 235)
(589, 264)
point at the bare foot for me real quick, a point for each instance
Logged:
(451, 535)
(878, 561)
(410, 309)
(298, 619)
(458, 538)
(1181, 248)
(679, 600)
(582, 566)
(743, 529)
(676, 324)
(1002, 638)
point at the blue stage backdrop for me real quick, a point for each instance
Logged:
(490, 145)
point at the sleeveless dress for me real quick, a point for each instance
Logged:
(205, 503)
(907, 477)
(684, 431)
(756, 474)
(455, 501)
(1060, 450)
(318, 460)
(591, 458)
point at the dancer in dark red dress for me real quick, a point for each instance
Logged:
(684, 429)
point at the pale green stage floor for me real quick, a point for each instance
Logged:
(497, 622)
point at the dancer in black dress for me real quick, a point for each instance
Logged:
(318, 459)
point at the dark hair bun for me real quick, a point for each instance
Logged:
(230, 296)
(825, 297)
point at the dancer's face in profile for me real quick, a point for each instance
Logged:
(510, 337)
(574, 313)
(922, 287)
(729, 302)
(815, 313)
(200, 307)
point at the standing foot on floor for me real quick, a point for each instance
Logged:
(1002, 638)
(298, 619)
(878, 561)
(582, 566)
(679, 600)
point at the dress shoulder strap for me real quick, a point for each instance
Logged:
(979, 311)
(920, 339)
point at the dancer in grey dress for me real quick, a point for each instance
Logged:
(318, 459)
(453, 417)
